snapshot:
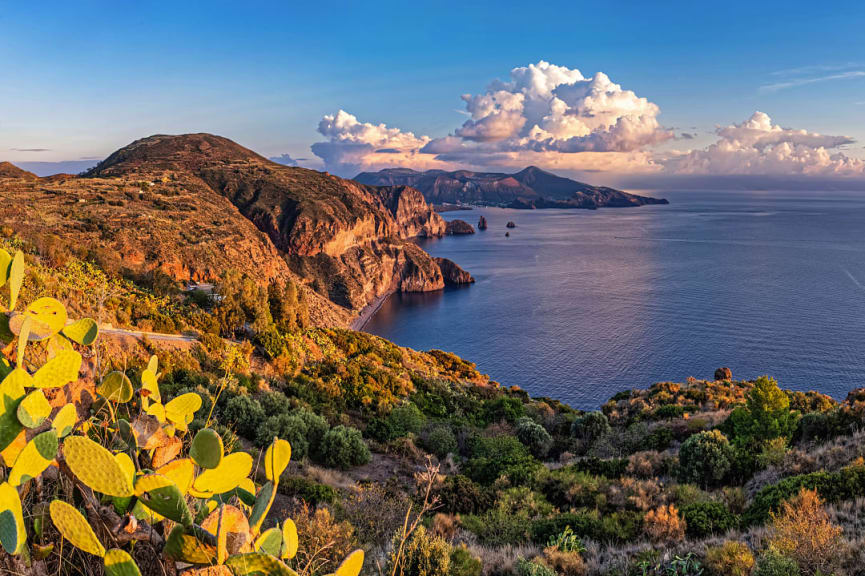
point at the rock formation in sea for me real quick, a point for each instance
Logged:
(723, 373)
(455, 227)
(511, 224)
(453, 274)
(482, 223)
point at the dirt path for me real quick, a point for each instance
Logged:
(149, 335)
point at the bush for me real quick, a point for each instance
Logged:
(288, 427)
(664, 525)
(526, 568)
(705, 459)
(590, 426)
(311, 492)
(802, 530)
(440, 440)
(504, 408)
(609, 468)
(270, 342)
(246, 414)
(773, 563)
(707, 519)
(463, 563)
(343, 447)
(534, 436)
(404, 420)
(500, 456)
(730, 559)
(316, 428)
(274, 403)
(616, 527)
(460, 495)
(422, 555)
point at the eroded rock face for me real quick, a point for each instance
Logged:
(723, 373)
(456, 227)
(452, 273)
(349, 241)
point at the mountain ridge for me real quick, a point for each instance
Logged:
(531, 187)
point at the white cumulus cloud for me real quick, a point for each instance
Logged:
(757, 146)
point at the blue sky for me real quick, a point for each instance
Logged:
(81, 79)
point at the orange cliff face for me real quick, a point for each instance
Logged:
(193, 206)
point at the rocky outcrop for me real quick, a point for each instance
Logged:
(349, 241)
(482, 223)
(510, 224)
(527, 189)
(452, 273)
(457, 227)
(723, 373)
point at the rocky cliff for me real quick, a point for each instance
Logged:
(529, 188)
(192, 206)
(452, 273)
(457, 227)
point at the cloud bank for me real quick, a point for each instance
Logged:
(557, 118)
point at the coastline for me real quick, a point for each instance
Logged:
(368, 312)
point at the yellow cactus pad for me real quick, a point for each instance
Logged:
(34, 409)
(163, 497)
(5, 261)
(150, 385)
(182, 409)
(232, 531)
(276, 459)
(181, 472)
(96, 467)
(49, 318)
(65, 420)
(59, 371)
(75, 528)
(35, 458)
(225, 477)
(84, 331)
(270, 542)
(119, 563)
(127, 465)
(352, 564)
(289, 539)
(11, 394)
(13, 534)
(186, 548)
(116, 387)
(16, 278)
(256, 564)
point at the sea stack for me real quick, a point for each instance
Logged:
(482, 223)
(511, 224)
(455, 227)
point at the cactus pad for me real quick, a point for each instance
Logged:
(74, 527)
(35, 458)
(256, 564)
(119, 563)
(276, 459)
(162, 495)
(182, 409)
(225, 477)
(207, 448)
(289, 539)
(48, 318)
(263, 502)
(352, 564)
(5, 261)
(33, 410)
(16, 278)
(11, 394)
(116, 387)
(12, 531)
(270, 542)
(96, 467)
(150, 386)
(181, 472)
(59, 371)
(186, 548)
(84, 331)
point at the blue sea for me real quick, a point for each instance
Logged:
(578, 304)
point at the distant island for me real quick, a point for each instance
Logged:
(528, 189)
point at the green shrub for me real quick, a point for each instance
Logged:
(732, 558)
(316, 428)
(311, 492)
(527, 568)
(404, 420)
(274, 402)
(616, 527)
(343, 447)
(609, 468)
(271, 342)
(458, 494)
(772, 563)
(246, 414)
(463, 563)
(440, 440)
(423, 555)
(500, 456)
(504, 408)
(707, 518)
(288, 427)
(590, 426)
(534, 436)
(705, 459)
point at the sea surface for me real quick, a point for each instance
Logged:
(580, 304)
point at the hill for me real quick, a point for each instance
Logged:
(529, 188)
(9, 170)
(193, 206)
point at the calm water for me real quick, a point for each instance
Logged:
(580, 304)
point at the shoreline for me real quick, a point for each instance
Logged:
(368, 312)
